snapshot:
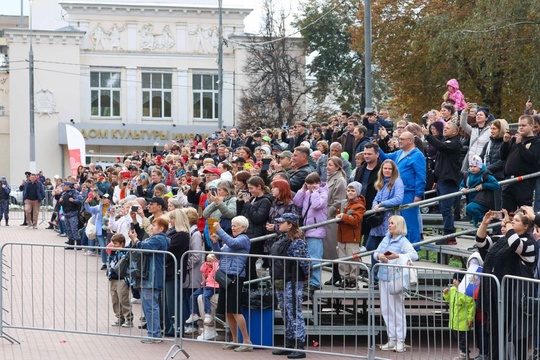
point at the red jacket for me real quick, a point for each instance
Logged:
(350, 226)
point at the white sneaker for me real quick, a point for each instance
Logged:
(208, 319)
(192, 318)
(127, 324)
(190, 330)
(363, 249)
(461, 356)
(135, 301)
(209, 333)
(400, 347)
(389, 346)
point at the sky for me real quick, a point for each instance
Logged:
(13, 7)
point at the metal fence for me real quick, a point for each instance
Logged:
(16, 207)
(45, 287)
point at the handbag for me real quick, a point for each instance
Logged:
(375, 220)
(402, 278)
(91, 231)
(223, 279)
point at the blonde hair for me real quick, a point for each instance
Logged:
(181, 220)
(401, 226)
(380, 178)
(192, 215)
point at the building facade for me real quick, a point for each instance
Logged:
(126, 74)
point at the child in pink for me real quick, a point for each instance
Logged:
(453, 93)
(208, 288)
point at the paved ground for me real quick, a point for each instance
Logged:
(50, 288)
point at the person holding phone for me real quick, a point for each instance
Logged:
(392, 247)
(221, 204)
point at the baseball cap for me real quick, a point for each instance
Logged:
(277, 147)
(286, 153)
(159, 201)
(212, 170)
(289, 217)
(67, 183)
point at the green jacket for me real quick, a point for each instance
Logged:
(462, 309)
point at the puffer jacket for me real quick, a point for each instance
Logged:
(350, 226)
(491, 154)
(313, 209)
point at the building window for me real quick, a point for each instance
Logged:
(205, 96)
(157, 95)
(105, 93)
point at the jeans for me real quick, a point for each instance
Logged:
(315, 251)
(169, 327)
(150, 306)
(102, 243)
(446, 206)
(84, 238)
(62, 226)
(186, 305)
(207, 293)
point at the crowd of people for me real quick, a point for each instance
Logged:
(216, 194)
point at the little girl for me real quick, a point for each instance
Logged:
(453, 93)
(208, 288)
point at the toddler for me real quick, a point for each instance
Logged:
(208, 288)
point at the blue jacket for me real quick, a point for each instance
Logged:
(386, 198)
(232, 265)
(473, 180)
(412, 170)
(4, 191)
(40, 190)
(97, 211)
(313, 208)
(156, 263)
(399, 245)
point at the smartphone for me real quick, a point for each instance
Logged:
(475, 106)
(266, 164)
(497, 215)
(132, 226)
(195, 172)
(199, 150)
(213, 191)
(387, 253)
(90, 195)
(134, 208)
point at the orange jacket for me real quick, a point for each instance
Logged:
(350, 226)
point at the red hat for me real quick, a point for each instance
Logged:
(125, 174)
(212, 170)
(159, 159)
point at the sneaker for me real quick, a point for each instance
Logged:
(192, 318)
(451, 241)
(62, 235)
(208, 319)
(135, 301)
(104, 267)
(35, 226)
(229, 346)
(190, 330)
(461, 356)
(209, 333)
(151, 341)
(128, 324)
(363, 249)
(244, 348)
(118, 323)
(350, 284)
(28, 226)
(389, 346)
(400, 347)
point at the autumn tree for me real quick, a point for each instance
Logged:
(275, 69)
(489, 46)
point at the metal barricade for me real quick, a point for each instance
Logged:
(519, 318)
(47, 287)
(17, 212)
(422, 321)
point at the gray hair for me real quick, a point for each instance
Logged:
(241, 221)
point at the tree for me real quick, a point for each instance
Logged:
(489, 46)
(338, 68)
(275, 69)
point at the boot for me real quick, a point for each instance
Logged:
(289, 344)
(70, 243)
(298, 354)
(7, 222)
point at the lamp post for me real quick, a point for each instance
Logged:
(220, 65)
(367, 54)
(31, 97)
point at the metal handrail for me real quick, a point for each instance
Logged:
(406, 206)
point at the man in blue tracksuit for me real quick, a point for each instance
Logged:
(4, 199)
(411, 163)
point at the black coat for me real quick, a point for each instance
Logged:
(179, 244)
(491, 155)
(447, 164)
(371, 192)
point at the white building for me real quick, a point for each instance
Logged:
(128, 73)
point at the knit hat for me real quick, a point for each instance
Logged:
(3, 178)
(475, 161)
(356, 186)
